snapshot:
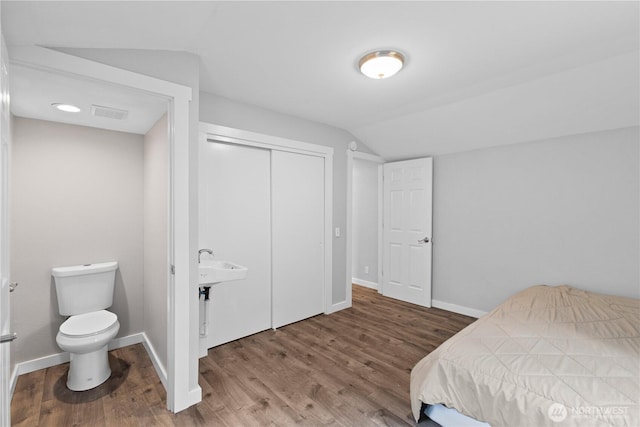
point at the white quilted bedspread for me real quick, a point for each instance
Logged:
(548, 356)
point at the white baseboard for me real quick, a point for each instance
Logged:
(338, 306)
(157, 364)
(366, 283)
(193, 396)
(458, 309)
(13, 381)
(42, 363)
(63, 357)
(125, 341)
(60, 358)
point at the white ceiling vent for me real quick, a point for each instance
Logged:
(108, 112)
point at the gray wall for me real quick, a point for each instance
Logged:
(76, 198)
(559, 211)
(221, 111)
(365, 221)
(156, 236)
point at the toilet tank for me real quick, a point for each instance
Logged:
(84, 288)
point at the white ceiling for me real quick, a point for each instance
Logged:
(34, 91)
(478, 73)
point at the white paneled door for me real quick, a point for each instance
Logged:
(297, 206)
(406, 271)
(5, 398)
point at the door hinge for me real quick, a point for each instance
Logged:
(173, 269)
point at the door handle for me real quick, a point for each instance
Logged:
(8, 338)
(425, 240)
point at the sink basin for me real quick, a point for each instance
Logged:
(214, 271)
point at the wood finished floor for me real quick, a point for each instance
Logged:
(350, 368)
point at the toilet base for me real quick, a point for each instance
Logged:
(88, 370)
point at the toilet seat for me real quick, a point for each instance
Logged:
(87, 324)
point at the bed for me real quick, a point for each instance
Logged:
(546, 356)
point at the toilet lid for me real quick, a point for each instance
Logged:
(88, 323)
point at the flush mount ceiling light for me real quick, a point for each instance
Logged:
(381, 64)
(67, 108)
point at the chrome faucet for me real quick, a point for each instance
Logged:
(209, 251)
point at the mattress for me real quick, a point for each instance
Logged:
(546, 356)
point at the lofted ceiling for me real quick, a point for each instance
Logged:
(478, 73)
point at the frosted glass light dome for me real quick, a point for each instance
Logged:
(381, 64)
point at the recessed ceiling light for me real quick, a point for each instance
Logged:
(67, 108)
(381, 64)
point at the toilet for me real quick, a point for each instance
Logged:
(84, 293)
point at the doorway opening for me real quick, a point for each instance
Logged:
(403, 227)
(364, 221)
(178, 370)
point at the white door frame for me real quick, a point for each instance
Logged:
(351, 155)
(182, 351)
(6, 385)
(210, 131)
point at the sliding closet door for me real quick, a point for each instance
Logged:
(235, 224)
(297, 206)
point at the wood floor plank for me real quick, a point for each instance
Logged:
(350, 368)
(282, 377)
(28, 399)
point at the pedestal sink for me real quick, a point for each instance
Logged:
(215, 271)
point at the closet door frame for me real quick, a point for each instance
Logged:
(230, 135)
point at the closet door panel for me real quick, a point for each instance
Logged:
(235, 224)
(297, 206)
